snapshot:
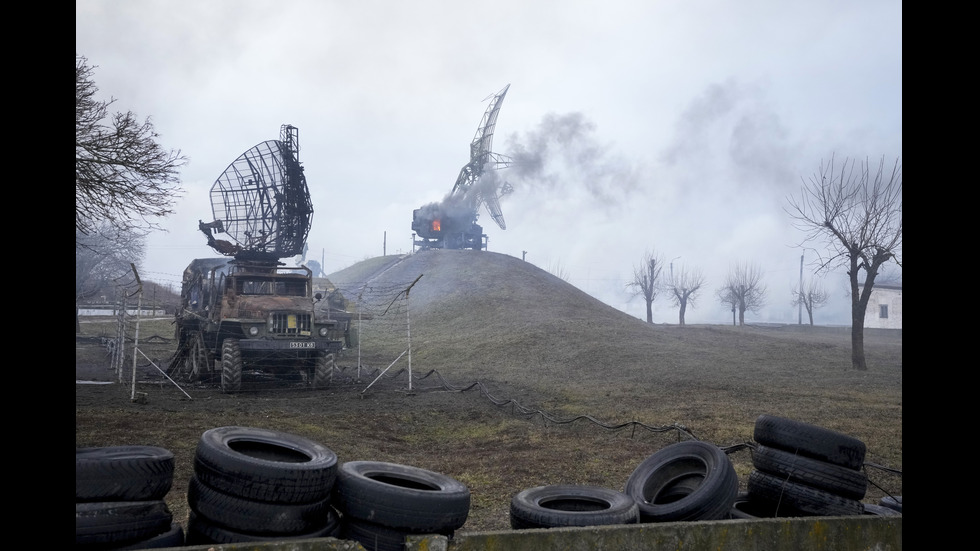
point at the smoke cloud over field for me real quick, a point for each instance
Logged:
(563, 154)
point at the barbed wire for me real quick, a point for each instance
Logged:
(381, 314)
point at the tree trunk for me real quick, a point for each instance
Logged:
(857, 344)
(858, 305)
(649, 311)
(682, 309)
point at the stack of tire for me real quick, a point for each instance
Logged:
(257, 485)
(119, 493)
(571, 505)
(381, 503)
(686, 481)
(802, 469)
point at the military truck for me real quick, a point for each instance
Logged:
(256, 317)
(251, 313)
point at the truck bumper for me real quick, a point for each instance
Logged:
(292, 345)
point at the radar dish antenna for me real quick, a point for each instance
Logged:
(261, 201)
(474, 183)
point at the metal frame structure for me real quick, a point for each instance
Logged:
(261, 201)
(452, 223)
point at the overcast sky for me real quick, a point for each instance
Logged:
(674, 127)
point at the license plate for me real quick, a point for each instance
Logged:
(309, 344)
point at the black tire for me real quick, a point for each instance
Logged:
(120, 522)
(231, 366)
(686, 481)
(747, 507)
(202, 531)
(880, 510)
(171, 538)
(324, 370)
(265, 465)
(123, 473)
(401, 496)
(809, 501)
(812, 472)
(256, 517)
(374, 537)
(810, 440)
(570, 505)
(892, 502)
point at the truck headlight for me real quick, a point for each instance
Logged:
(323, 331)
(253, 331)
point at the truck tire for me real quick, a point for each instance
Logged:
(324, 370)
(810, 440)
(120, 522)
(202, 531)
(123, 473)
(171, 538)
(571, 505)
(819, 474)
(375, 537)
(265, 465)
(686, 481)
(401, 496)
(231, 366)
(253, 516)
(807, 500)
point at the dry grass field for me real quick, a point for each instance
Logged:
(518, 380)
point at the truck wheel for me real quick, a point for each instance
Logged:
(231, 366)
(324, 370)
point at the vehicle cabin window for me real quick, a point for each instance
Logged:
(271, 287)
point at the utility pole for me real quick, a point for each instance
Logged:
(524, 256)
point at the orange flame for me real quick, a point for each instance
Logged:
(436, 225)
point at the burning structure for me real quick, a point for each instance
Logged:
(452, 223)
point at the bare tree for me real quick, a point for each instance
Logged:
(646, 280)
(101, 257)
(743, 290)
(729, 299)
(122, 175)
(810, 296)
(858, 218)
(684, 288)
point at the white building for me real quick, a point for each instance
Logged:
(884, 307)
